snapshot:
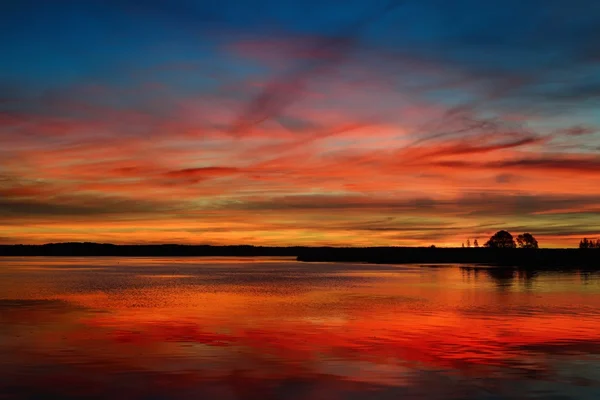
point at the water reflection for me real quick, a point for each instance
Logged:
(275, 328)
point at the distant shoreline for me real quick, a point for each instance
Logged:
(154, 250)
(518, 258)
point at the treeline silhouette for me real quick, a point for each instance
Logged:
(586, 243)
(506, 257)
(503, 239)
(514, 257)
(85, 249)
(500, 250)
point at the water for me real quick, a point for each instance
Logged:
(224, 328)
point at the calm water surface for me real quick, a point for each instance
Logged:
(225, 328)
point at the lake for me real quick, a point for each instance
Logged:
(275, 328)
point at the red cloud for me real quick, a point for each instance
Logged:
(318, 156)
(198, 174)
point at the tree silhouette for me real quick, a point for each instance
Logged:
(527, 241)
(468, 243)
(501, 240)
(475, 243)
(589, 244)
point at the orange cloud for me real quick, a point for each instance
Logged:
(316, 170)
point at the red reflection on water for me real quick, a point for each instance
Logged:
(368, 330)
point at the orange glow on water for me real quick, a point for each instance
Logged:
(205, 319)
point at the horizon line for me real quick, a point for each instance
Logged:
(263, 246)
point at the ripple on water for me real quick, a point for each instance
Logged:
(269, 328)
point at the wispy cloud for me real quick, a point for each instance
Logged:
(370, 129)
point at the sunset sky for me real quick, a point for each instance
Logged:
(325, 122)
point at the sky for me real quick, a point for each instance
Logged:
(380, 122)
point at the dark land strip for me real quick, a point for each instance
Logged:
(518, 258)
